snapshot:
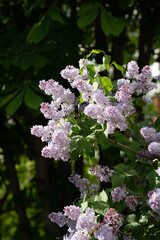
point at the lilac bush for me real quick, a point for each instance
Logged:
(130, 208)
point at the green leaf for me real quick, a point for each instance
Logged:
(119, 67)
(38, 31)
(84, 205)
(157, 124)
(154, 180)
(131, 218)
(55, 16)
(106, 61)
(91, 71)
(38, 60)
(13, 106)
(101, 197)
(120, 168)
(133, 226)
(105, 83)
(100, 207)
(118, 179)
(112, 25)
(88, 16)
(32, 99)
(130, 173)
(8, 97)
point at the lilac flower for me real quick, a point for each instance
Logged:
(148, 133)
(72, 212)
(78, 235)
(154, 200)
(119, 193)
(154, 148)
(103, 172)
(132, 202)
(158, 171)
(105, 232)
(132, 69)
(122, 81)
(56, 135)
(87, 221)
(59, 218)
(84, 185)
(114, 219)
(70, 73)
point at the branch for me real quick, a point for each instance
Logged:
(128, 148)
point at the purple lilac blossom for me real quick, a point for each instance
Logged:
(119, 193)
(103, 172)
(59, 218)
(114, 219)
(148, 133)
(154, 148)
(78, 235)
(56, 135)
(132, 201)
(87, 221)
(72, 212)
(154, 200)
(158, 171)
(84, 185)
(132, 69)
(105, 232)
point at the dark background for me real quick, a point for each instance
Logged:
(37, 40)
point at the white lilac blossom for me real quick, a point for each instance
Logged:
(105, 232)
(132, 201)
(72, 212)
(148, 133)
(114, 219)
(84, 185)
(103, 172)
(154, 148)
(154, 200)
(87, 221)
(119, 193)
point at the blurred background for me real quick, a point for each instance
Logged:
(38, 38)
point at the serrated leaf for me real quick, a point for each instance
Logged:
(38, 31)
(111, 24)
(87, 18)
(13, 106)
(31, 98)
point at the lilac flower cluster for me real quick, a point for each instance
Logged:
(83, 224)
(119, 193)
(84, 185)
(103, 172)
(56, 135)
(132, 201)
(153, 138)
(114, 219)
(141, 82)
(154, 200)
